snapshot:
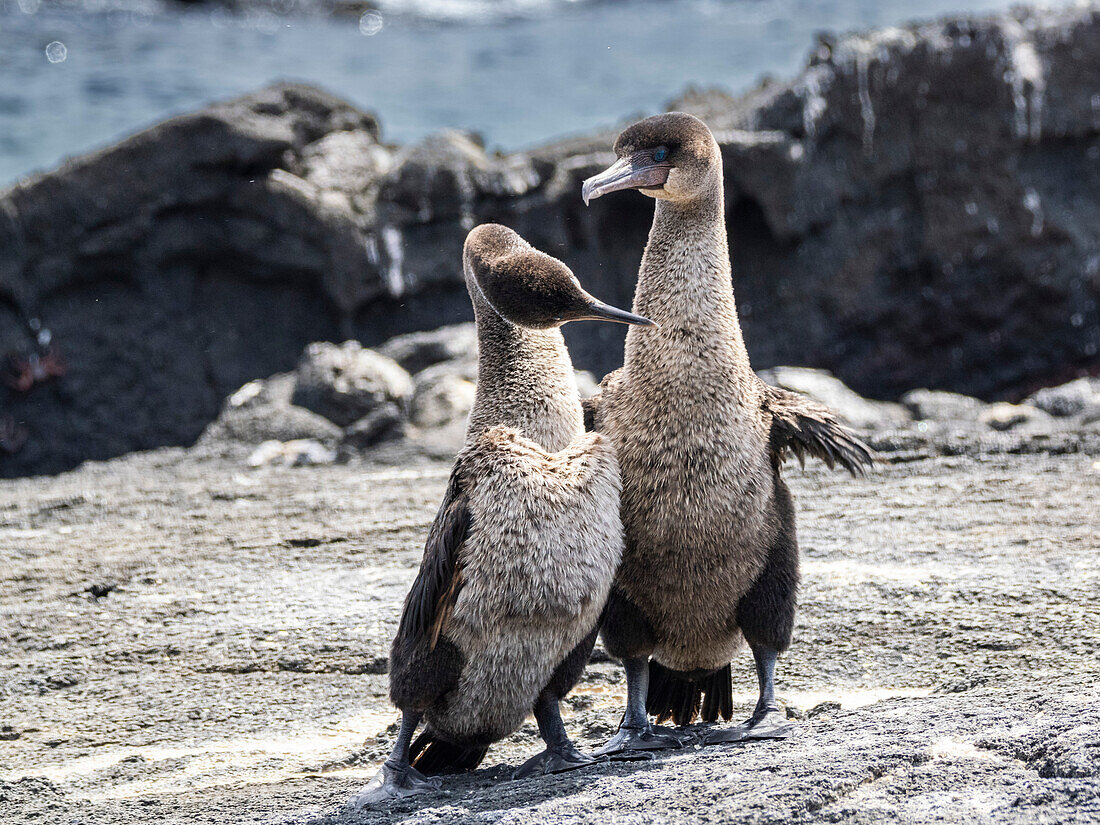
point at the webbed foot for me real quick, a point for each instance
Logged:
(553, 761)
(768, 723)
(393, 782)
(639, 743)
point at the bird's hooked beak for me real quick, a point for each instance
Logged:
(599, 311)
(635, 172)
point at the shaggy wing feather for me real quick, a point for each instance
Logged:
(804, 427)
(591, 406)
(439, 581)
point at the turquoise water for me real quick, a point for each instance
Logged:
(72, 79)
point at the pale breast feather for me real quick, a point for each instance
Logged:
(547, 537)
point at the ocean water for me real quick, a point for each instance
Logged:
(79, 75)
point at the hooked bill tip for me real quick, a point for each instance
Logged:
(606, 312)
(586, 191)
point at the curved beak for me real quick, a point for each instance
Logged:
(599, 311)
(625, 173)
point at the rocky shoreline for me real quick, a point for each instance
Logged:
(919, 208)
(193, 637)
(410, 397)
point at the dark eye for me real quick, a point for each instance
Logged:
(660, 154)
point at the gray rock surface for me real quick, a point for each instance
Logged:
(346, 382)
(930, 194)
(188, 641)
(416, 351)
(937, 405)
(1076, 397)
(385, 423)
(439, 401)
(851, 408)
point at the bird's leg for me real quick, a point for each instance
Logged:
(636, 736)
(396, 778)
(767, 720)
(560, 754)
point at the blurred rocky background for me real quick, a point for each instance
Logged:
(919, 208)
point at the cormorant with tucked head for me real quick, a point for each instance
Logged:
(710, 553)
(504, 612)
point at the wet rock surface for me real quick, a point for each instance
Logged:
(919, 208)
(192, 640)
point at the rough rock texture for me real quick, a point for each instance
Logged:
(416, 351)
(1068, 399)
(852, 409)
(920, 207)
(187, 640)
(938, 405)
(347, 382)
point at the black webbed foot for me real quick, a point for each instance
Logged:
(554, 761)
(393, 782)
(640, 743)
(767, 723)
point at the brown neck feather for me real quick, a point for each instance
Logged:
(525, 381)
(684, 283)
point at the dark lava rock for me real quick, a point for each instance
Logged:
(262, 411)
(919, 208)
(346, 382)
(419, 350)
(173, 268)
(384, 423)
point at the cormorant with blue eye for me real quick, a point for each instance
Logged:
(711, 555)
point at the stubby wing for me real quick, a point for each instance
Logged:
(804, 427)
(591, 409)
(591, 406)
(437, 585)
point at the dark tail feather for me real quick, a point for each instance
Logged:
(431, 755)
(673, 697)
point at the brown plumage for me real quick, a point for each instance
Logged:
(502, 615)
(711, 555)
(805, 428)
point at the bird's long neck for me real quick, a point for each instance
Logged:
(525, 380)
(684, 285)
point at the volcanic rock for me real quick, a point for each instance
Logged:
(346, 382)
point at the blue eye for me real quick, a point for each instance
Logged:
(660, 154)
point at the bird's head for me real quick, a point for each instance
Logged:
(672, 156)
(530, 288)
